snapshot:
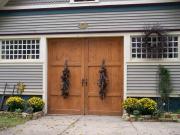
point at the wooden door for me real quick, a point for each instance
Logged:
(85, 56)
(60, 50)
(110, 50)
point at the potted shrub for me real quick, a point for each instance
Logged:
(147, 106)
(15, 103)
(130, 104)
(36, 103)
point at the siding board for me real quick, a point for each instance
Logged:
(107, 21)
(142, 80)
(30, 75)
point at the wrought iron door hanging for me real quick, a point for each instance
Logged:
(65, 80)
(102, 82)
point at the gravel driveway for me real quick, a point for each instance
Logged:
(91, 125)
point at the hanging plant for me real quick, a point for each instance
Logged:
(102, 83)
(65, 81)
(154, 41)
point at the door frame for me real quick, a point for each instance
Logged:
(44, 56)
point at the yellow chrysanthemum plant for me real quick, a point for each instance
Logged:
(36, 103)
(147, 106)
(144, 106)
(130, 104)
(14, 103)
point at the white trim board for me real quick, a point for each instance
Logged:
(86, 4)
(79, 35)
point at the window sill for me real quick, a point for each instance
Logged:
(21, 61)
(154, 62)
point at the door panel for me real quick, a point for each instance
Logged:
(84, 56)
(60, 50)
(110, 50)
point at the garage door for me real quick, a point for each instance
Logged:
(84, 58)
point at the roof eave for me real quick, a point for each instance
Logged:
(74, 5)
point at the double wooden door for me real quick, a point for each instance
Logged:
(84, 57)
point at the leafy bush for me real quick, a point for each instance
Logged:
(18, 110)
(147, 106)
(144, 106)
(130, 104)
(14, 103)
(36, 103)
(27, 107)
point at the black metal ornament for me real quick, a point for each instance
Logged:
(65, 80)
(102, 82)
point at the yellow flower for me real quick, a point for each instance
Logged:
(15, 99)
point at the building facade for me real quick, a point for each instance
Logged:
(39, 37)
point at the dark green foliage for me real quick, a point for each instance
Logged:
(18, 110)
(27, 107)
(165, 86)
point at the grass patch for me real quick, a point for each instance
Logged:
(10, 120)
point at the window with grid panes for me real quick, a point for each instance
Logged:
(20, 49)
(170, 49)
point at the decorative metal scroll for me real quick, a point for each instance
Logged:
(153, 49)
(65, 81)
(102, 82)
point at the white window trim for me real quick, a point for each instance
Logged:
(154, 60)
(78, 2)
(21, 61)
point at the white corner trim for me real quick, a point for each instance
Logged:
(43, 49)
(126, 45)
(86, 4)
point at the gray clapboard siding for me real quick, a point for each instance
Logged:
(30, 75)
(142, 80)
(100, 21)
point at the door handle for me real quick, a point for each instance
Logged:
(82, 82)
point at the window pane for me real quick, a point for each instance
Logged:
(20, 49)
(155, 48)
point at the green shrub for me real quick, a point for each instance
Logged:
(27, 107)
(36, 103)
(130, 104)
(15, 103)
(147, 106)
